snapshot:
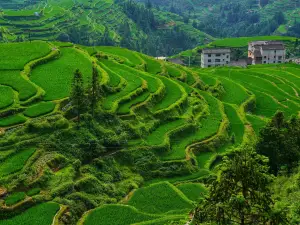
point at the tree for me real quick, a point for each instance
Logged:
(77, 96)
(240, 194)
(94, 90)
(280, 142)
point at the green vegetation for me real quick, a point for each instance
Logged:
(15, 162)
(61, 72)
(7, 97)
(39, 109)
(12, 120)
(15, 198)
(123, 138)
(159, 198)
(194, 191)
(117, 214)
(41, 214)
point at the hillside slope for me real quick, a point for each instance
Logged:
(157, 131)
(96, 22)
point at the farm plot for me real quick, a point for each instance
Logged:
(14, 56)
(14, 79)
(114, 78)
(159, 135)
(117, 215)
(256, 122)
(207, 127)
(41, 214)
(132, 58)
(15, 162)
(15, 198)
(194, 191)
(236, 125)
(56, 76)
(172, 95)
(39, 109)
(152, 66)
(173, 72)
(133, 83)
(7, 96)
(160, 198)
(12, 120)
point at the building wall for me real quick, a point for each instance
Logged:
(212, 60)
(273, 56)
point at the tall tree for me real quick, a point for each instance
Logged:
(280, 142)
(94, 91)
(240, 194)
(77, 96)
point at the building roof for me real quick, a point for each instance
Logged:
(215, 50)
(267, 45)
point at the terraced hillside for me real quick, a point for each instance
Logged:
(94, 22)
(157, 132)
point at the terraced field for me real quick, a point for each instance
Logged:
(175, 117)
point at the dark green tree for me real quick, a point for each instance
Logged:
(240, 194)
(280, 142)
(77, 96)
(94, 89)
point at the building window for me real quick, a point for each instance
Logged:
(209, 60)
(217, 60)
(265, 57)
(279, 61)
(209, 65)
(279, 57)
(274, 57)
(274, 62)
(227, 62)
(209, 55)
(265, 62)
(223, 59)
(218, 54)
(227, 56)
(275, 51)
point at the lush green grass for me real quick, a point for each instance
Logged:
(203, 158)
(153, 66)
(14, 79)
(172, 71)
(172, 219)
(12, 120)
(117, 215)
(172, 95)
(7, 96)
(33, 191)
(56, 76)
(158, 136)
(132, 57)
(236, 125)
(114, 79)
(39, 109)
(125, 107)
(243, 41)
(16, 55)
(159, 198)
(256, 122)
(133, 82)
(194, 191)
(15, 198)
(41, 214)
(15, 162)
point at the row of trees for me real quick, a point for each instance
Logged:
(83, 99)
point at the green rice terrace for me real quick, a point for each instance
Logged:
(143, 155)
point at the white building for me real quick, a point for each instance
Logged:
(215, 57)
(266, 52)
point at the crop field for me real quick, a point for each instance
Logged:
(7, 96)
(16, 55)
(194, 191)
(159, 198)
(15, 162)
(39, 109)
(157, 131)
(13, 79)
(43, 215)
(55, 77)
